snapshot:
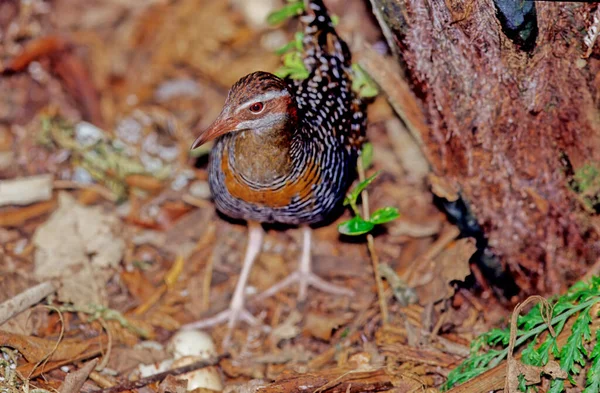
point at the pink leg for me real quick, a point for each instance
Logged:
(304, 275)
(236, 309)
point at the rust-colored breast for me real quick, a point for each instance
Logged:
(300, 187)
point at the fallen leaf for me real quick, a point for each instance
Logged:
(124, 359)
(144, 182)
(322, 326)
(34, 50)
(532, 374)
(13, 218)
(78, 82)
(81, 246)
(35, 349)
(74, 381)
(138, 285)
(287, 329)
(442, 188)
(432, 280)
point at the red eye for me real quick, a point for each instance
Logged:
(257, 107)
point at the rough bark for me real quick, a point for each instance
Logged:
(509, 124)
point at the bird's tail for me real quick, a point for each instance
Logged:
(328, 61)
(320, 36)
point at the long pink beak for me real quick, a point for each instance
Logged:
(219, 127)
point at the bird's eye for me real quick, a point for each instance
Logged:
(257, 107)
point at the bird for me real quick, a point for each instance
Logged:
(285, 152)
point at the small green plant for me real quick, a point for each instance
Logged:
(358, 225)
(587, 177)
(294, 8)
(362, 83)
(294, 45)
(541, 346)
(586, 183)
(294, 68)
(293, 60)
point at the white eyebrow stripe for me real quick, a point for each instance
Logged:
(266, 121)
(270, 95)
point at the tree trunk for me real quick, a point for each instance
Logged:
(511, 108)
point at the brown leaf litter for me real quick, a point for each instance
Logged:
(81, 247)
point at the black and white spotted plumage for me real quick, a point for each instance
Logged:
(326, 134)
(325, 99)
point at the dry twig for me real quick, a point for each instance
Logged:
(24, 300)
(130, 385)
(371, 247)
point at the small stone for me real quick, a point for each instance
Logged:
(200, 189)
(151, 164)
(82, 176)
(177, 88)
(168, 153)
(130, 130)
(88, 134)
(180, 181)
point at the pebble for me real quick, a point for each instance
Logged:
(82, 176)
(177, 88)
(88, 134)
(200, 189)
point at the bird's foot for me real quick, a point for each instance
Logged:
(304, 280)
(236, 310)
(232, 315)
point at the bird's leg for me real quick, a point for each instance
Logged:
(236, 309)
(304, 275)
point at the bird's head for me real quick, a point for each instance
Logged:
(259, 102)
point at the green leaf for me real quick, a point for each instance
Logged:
(345, 332)
(470, 368)
(530, 355)
(557, 386)
(366, 155)
(574, 356)
(383, 215)
(288, 11)
(574, 352)
(530, 320)
(362, 83)
(544, 350)
(355, 227)
(592, 383)
(522, 383)
(295, 44)
(353, 195)
(368, 91)
(497, 336)
(293, 66)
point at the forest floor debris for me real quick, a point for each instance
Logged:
(102, 101)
